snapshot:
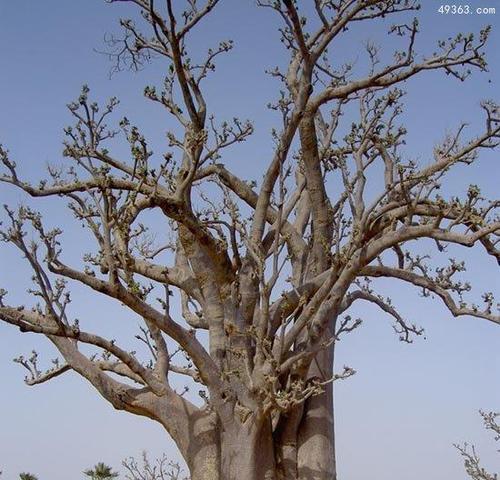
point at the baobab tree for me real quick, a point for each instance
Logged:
(253, 284)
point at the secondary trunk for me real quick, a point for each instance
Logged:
(251, 453)
(249, 446)
(302, 448)
(247, 452)
(316, 436)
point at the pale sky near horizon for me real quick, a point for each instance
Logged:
(398, 417)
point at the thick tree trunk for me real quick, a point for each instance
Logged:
(316, 436)
(251, 451)
(248, 452)
(202, 470)
(204, 460)
(241, 452)
(316, 452)
(301, 447)
(200, 447)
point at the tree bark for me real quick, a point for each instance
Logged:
(248, 451)
(316, 442)
(301, 447)
(240, 451)
(203, 451)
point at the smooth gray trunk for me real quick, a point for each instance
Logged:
(302, 446)
(304, 450)
(316, 450)
(248, 452)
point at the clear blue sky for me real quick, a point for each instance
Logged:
(398, 417)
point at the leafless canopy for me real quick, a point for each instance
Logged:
(160, 469)
(268, 270)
